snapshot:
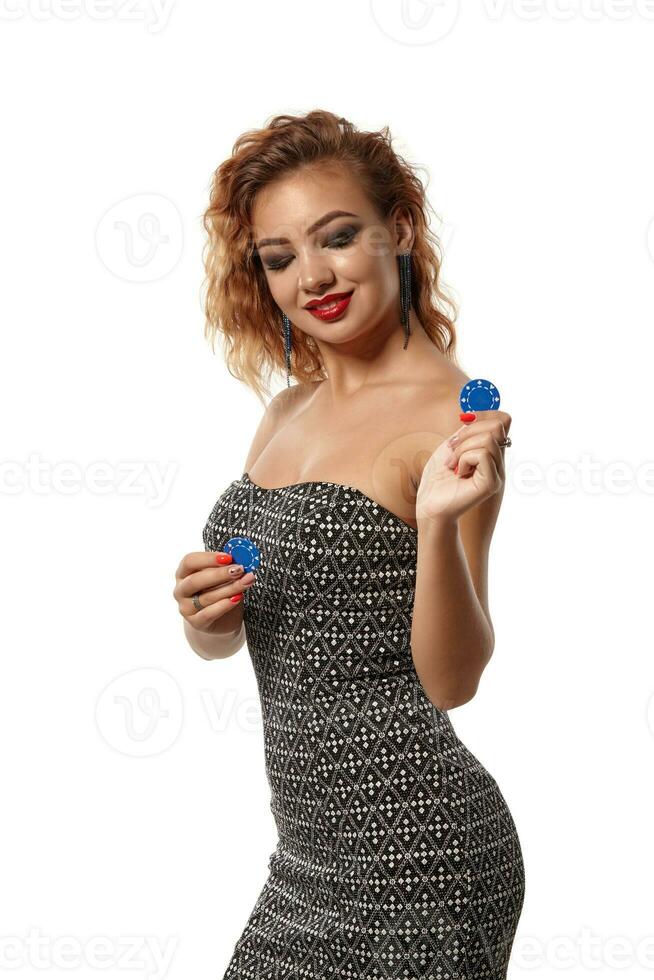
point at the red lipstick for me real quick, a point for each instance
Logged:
(340, 301)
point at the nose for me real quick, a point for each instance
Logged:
(314, 274)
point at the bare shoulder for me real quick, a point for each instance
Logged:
(448, 406)
(290, 399)
(278, 411)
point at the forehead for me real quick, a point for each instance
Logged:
(297, 200)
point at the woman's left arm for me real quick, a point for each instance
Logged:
(452, 636)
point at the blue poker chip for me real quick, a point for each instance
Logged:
(244, 552)
(479, 395)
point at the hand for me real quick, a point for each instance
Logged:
(444, 495)
(216, 579)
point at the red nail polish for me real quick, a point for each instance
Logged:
(223, 559)
(235, 598)
(468, 416)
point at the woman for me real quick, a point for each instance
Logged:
(367, 618)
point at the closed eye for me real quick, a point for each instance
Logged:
(341, 240)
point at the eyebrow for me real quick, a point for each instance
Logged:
(326, 218)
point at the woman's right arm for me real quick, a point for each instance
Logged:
(219, 645)
(216, 630)
(219, 632)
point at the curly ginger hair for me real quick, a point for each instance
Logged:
(238, 304)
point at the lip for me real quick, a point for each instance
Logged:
(341, 304)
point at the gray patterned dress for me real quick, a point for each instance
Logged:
(397, 855)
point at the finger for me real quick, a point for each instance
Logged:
(215, 597)
(491, 413)
(494, 426)
(209, 614)
(480, 440)
(484, 464)
(196, 560)
(208, 578)
(469, 462)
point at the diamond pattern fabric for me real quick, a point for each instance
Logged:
(397, 855)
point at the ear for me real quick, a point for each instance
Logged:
(403, 225)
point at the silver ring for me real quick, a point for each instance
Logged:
(196, 601)
(505, 442)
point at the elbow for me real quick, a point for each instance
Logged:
(455, 699)
(462, 689)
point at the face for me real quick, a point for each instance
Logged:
(309, 252)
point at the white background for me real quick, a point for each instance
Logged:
(136, 804)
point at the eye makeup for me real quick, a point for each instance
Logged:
(341, 239)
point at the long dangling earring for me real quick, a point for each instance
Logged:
(404, 259)
(287, 347)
